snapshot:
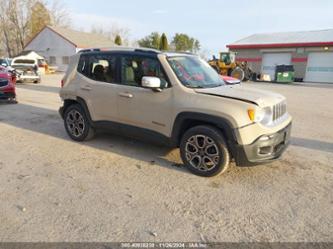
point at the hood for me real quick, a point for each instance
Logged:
(258, 97)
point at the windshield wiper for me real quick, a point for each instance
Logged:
(213, 86)
(191, 86)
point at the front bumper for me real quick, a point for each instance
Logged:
(265, 149)
(7, 95)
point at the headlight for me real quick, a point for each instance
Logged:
(260, 115)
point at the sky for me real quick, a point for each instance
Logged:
(215, 23)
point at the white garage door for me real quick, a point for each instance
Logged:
(320, 67)
(271, 60)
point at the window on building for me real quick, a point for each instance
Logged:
(101, 67)
(52, 60)
(65, 60)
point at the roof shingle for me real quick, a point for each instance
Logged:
(83, 39)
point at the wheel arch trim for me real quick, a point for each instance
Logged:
(220, 122)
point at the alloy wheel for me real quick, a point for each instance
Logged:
(75, 123)
(202, 152)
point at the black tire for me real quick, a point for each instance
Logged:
(77, 124)
(13, 100)
(219, 153)
(238, 73)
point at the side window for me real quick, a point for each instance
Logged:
(133, 68)
(100, 67)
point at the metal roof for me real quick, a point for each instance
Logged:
(286, 39)
(78, 38)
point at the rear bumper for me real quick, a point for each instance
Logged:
(266, 148)
(28, 78)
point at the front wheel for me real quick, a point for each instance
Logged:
(238, 73)
(204, 151)
(13, 100)
(77, 124)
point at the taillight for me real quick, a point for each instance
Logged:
(62, 83)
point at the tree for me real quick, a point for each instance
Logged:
(118, 40)
(184, 43)
(112, 32)
(20, 19)
(15, 16)
(59, 14)
(151, 41)
(40, 17)
(164, 45)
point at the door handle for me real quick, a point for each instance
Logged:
(126, 95)
(86, 88)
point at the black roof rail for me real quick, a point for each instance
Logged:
(89, 50)
(142, 50)
(185, 52)
(152, 51)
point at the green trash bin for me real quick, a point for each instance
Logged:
(285, 74)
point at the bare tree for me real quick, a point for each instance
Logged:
(17, 23)
(14, 23)
(59, 14)
(5, 26)
(112, 32)
(19, 13)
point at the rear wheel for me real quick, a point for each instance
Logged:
(204, 151)
(77, 124)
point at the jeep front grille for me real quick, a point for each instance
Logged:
(279, 110)
(3, 82)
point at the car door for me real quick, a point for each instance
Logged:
(98, 79)
(142, 107)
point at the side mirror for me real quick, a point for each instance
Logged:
(153, 83)
(4, 64)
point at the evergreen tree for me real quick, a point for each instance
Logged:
(118, 40)
(151, 41)
(164, 45)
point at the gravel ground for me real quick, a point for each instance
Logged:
(117, 189)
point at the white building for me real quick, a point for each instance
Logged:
(310, 52)
(57, 44)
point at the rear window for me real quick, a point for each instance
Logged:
(21, 61)
(98, 67)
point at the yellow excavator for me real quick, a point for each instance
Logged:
(227, 65)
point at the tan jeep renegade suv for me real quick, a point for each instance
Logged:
(175, 99)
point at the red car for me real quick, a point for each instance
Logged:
(7, 85)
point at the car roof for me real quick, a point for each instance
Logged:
(134, 50)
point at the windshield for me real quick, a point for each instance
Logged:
(194, 72)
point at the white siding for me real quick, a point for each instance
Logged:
(271, 60)
(48, 43)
